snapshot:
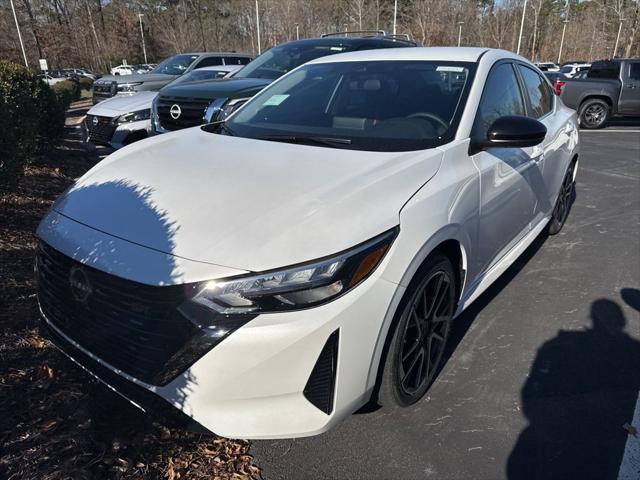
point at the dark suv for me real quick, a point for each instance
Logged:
(167, 71)
(183, 106)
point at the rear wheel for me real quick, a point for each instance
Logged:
(563, 203)
(594, 113)
(420, 335)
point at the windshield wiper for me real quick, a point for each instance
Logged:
(311, 140)
(220, 124)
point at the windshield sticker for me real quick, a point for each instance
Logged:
(276, 100)
(444, 68)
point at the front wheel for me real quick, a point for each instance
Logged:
(420, 335)
(563, 203)
(594, 113)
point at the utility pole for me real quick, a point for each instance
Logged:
(524, 11)
(144, 48)
(258, 27)
(15, 17)
(564, 28)
(297, 31)
(615, 48)
(460, 32)
(395, 15)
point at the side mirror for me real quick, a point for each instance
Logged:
(514, 131)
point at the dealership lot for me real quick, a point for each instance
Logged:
(543, 371)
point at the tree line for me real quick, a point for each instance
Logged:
(98, 34)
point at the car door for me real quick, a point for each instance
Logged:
(629, 102)
(506, 195)
(547, 170)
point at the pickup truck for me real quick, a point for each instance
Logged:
(612, 88)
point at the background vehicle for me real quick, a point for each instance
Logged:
(207, 102)
(123, 70)
(569, 70)
(557, 79)
(124, 119)
(270, 274)
(547, 67)
(51, 80)
(80, 72)
(612, 87)
(165, 72)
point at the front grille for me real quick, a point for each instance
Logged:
(134, 327)
(321, 384)
(192, 111)
(102, 91)
(100, 129)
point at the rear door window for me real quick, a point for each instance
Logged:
(634, 71)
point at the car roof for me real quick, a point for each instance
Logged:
(223, 54)
(459, 54)
(353, 42)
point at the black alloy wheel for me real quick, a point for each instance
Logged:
(563, 202)
(421, 334)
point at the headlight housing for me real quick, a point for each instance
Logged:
(230, 107)
(128, 87)
(297, 287)
(134, 116)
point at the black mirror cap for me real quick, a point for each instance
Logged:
(512, 131)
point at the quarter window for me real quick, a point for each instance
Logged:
(540, 96)
(501, 97)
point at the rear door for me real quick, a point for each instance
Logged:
(629, 102)
(507, 175)
(548, 157)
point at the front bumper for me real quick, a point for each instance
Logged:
(114, 135)
(252, 385)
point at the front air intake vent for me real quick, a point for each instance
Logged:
(320, 386)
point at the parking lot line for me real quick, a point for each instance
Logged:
(610, 131)
(630, 465)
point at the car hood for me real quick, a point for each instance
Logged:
(137, 77)
(242, 203)
(121, 104)
(222, 88)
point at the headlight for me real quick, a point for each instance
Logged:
(128, 87)
(297, 287)
(230, 107)
(134, 116)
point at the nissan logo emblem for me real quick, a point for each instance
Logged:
(175, 111)
(95, 121)
(80, 286)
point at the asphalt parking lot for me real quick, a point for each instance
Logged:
(543, 370)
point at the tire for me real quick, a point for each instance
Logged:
(594, 113)
(563, 202)
(416, 337)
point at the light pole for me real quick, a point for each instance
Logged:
(144, 48)
(564, 28)
(615, 48)
(297, 31)
(395, 15)
(524, 11)
(15, 17)
(460, 32)
(258, 28)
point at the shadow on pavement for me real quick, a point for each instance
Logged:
(581, 390)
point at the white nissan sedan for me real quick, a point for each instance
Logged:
(267, 276)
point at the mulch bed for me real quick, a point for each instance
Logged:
(56, 422)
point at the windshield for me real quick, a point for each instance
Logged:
(175, 65)
(378, 106)
(200, 75)
(277, 61)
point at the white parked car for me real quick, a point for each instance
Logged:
(268, 275)
(51, 80)
(547, 66)
(123, 70)
(124, 119)
(571, 69)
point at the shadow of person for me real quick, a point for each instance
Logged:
(581, 390)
